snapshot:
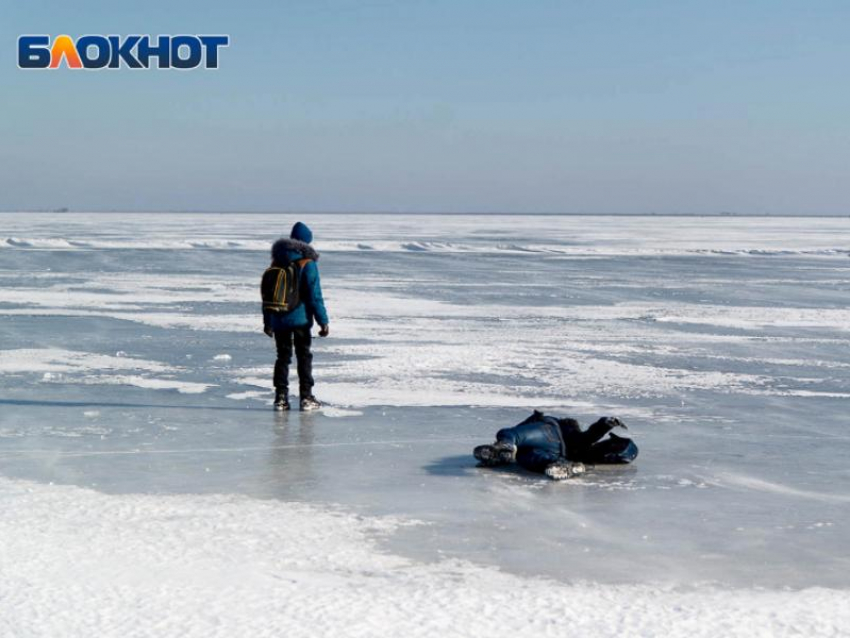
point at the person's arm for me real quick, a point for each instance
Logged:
(316, 303)
(599, 429)
(267, 323)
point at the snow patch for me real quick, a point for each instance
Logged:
(53, 360)
(335, 412)
(70, 366)
(183, 387)
(92, 564)
(250, 394)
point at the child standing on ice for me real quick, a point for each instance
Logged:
(292, 298)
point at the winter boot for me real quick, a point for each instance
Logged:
(497, 454)
(281, 401)
(562, 470)
(310, 403)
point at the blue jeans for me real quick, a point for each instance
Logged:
(538, 443)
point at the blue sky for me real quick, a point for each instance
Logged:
(432, 105)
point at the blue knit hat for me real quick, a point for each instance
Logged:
(301, 232)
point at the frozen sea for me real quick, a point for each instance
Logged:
(148, 488)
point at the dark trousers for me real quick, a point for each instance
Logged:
(581, 444)
(284, 340)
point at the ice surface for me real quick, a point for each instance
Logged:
(132, 362)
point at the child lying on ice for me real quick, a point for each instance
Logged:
(558, 448)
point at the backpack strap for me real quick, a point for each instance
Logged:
(301, 263)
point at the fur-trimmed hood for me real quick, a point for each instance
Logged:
(283, 246)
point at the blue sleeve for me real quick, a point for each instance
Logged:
(315, 302)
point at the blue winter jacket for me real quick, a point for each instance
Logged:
(285, 251)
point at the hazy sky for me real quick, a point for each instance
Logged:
(440, 105)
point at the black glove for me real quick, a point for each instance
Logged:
(324, 331)
(614, 422)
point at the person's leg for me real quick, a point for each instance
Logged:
(548, 462)
(562, 470)
(584, 446)
(599, 429)
(569, 426)
(536, 459)
(541, 434)
(615, 449)
(540, 448)
(502, 451)
(596, 431)
(283, 343)
(303, 342)
(574, 439)
(537, 434)
(498, 453)
(529, 433)
(509, 436)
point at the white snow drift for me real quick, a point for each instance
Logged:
(225, 566)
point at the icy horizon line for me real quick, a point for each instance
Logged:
(189, 211)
